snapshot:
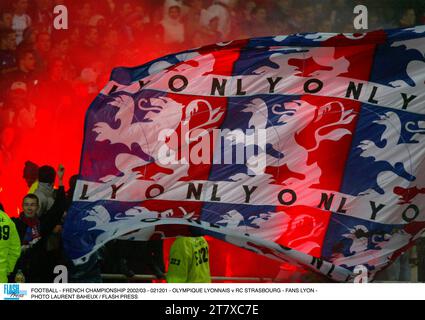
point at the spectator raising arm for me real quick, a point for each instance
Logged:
(54, 215)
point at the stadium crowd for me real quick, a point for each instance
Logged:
(49, 75)
(48, 78)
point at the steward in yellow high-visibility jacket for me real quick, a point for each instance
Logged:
(10, 246)
(189, 261)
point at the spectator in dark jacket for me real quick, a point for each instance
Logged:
(8, 61)
(26, 69)
(34, 232)
(6, 19)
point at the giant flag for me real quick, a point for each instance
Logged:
(308, 148)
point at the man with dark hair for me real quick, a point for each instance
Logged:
(7, 51)
(6, 19)
(43, 45)
(408, 18)
(46, 194)
(46, 174)
(34, 232)
(26, 69)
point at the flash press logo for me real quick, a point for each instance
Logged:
(13, 292)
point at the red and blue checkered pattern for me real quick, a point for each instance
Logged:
(344, 181)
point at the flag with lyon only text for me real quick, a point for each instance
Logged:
(307, 148)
